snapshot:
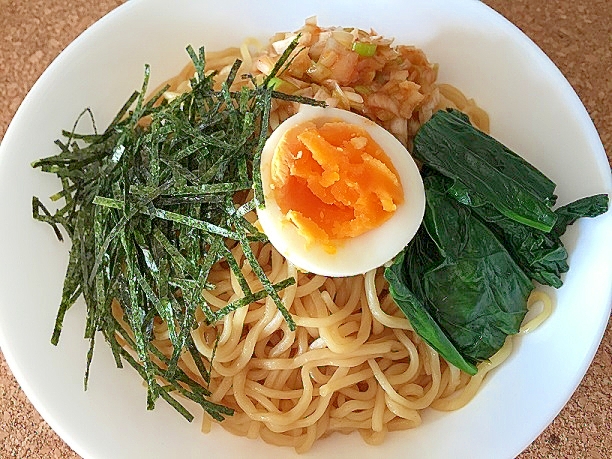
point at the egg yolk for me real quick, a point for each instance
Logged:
(333, 181)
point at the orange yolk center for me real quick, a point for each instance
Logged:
(333, 181)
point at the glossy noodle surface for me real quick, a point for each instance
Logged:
(353, 363)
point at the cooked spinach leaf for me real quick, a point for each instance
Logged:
(540, 254)
(420, 318)
(590, 206)
(463, 281)
(464, 278)
(449, 144)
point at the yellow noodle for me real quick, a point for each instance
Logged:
(537, 297)
(354, 362)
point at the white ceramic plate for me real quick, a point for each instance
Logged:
(533, 110)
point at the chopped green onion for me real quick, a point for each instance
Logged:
(364, 49)
(278, 84)
(274, 83)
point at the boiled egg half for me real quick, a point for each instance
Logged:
(342, 194)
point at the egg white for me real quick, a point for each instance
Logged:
(355, 255)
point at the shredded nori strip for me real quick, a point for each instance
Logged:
(150, 207)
